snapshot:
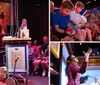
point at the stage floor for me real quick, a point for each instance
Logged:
(36, 80)
(95, 72)
(39, 80)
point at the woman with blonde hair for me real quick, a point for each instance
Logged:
(90, 24)
(24, 24)
(96, 15)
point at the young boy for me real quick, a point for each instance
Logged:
(60, 20)
(77, 20)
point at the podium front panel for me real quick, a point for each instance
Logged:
(13, 51)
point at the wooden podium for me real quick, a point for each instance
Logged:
(17, 47)
(16, 39)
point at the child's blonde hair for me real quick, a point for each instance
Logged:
(80, 4)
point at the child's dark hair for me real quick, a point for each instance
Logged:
(68, 60)
(87, 12)
(67, 4)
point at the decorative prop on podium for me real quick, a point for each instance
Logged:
(24, 33)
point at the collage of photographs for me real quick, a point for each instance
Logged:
(49, 42)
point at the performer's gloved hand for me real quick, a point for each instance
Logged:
(86, 54)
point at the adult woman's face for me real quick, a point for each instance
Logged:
(96, 12)
(74, 59)
(35, 42)
(24, 22)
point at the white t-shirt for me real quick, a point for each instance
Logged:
(24, 27)
(75, 17)
(84, 18)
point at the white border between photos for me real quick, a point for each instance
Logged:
(74, 41)
(49, 41)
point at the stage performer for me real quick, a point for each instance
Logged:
(73, 70)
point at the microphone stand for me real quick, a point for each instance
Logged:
(15, 66)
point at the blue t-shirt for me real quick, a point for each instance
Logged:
(62, 21)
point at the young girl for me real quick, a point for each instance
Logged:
(37, 61)
(96, 15)
(45, 63)
(35, 47)
(90, 24)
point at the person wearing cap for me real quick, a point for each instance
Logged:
(30, 54)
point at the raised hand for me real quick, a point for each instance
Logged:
(86, 54)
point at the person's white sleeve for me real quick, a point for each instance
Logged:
(72, 17)
(84, 19)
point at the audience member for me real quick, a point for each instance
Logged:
(77, 22)
(96, 15)
(45, 44)
(60, 20)
(91, 25)
(30, 53)
(35, 47)
(45, 62)
(37, 61)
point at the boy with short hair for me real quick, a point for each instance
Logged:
(75, 16)
(77, 20)
(61, 19)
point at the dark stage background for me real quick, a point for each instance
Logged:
(88, 3)
(36, 13)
